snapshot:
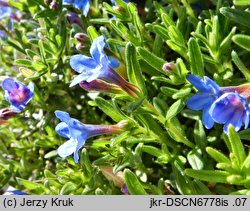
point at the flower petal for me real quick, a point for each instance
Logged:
(67, 148)
(235, 120)
(78, 147)
(81, 63)
(199, 101)
(224, 107)
(97, 49)
(207, 119)
(63, 116)
(197, 82)
(63, 130)
(10, 85)
(212, 84)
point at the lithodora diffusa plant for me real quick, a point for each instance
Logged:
(125, 97)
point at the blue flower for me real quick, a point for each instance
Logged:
(78, 133)
(17, 94)
(209, 91)
(4, 11)
(14, 191)
(230, 108)
(99, 66)
(83, 5)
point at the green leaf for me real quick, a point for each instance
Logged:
(217, 155)
(242, 40)
(241, 2)
(109, 109)
(133, 68)
(200, 135)
(238, 16)
(208, 175)
(195, 58)
(183, 183)
(225, 44)
(237, 147)
(175, 109)
(246, 165)
(68, 188)
(168, 91)
(240, 65)
(23, 62)
(177, 134)
(167, 21)
(195, 159)
(153, 60)
(181, 93)
(30, 185)
(133, 184)
(92, 33)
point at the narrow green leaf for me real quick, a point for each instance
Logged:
(242, 40)
(68, 188)
(153, 60)
(177, 134)
(109, 109)
(167, 21)
(241, 2)
(133, 68)
(133, 184)
(195, 159)
(208, 175)
(195, 58)
(23, 62)
(175, 109)
(236, 144)
(92, 33)
(240, 65)
(181, 93)
(236, 15)
(225, 44)
(168, 91)
(217, 155)
(200, 135)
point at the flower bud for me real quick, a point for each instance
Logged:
(81, 37)
(6, 113)
(168, 67)
(80, 46)
(74, 19)
(53, 5)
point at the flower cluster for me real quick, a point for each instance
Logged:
(96, 74)
(223, 105)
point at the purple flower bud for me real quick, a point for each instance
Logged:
(53, 5)
(168, 67)
(6, 113)
(80, 46)
(81, 37)
(100, 85)
(74, 19)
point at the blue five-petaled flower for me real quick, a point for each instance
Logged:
(78, 133)
(224, 105)
(18, 94)
(82, 5)
(209, 91)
